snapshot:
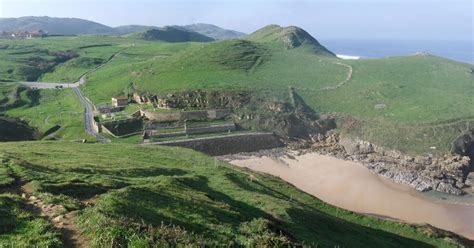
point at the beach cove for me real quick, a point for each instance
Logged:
(350, 185)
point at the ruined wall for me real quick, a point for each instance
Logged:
(231, 144)
(124, 127)
(211, 129)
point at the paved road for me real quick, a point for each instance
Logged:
(81, 81)
(88, 109)
(89, 117)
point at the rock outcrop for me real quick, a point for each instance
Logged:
(446, 174)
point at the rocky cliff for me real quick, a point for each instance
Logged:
(446, 174)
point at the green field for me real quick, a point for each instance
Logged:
(153, 196)
(45, 109)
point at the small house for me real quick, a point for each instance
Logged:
(119, 101)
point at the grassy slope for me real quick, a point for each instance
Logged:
(427, 101)
(238, 65)
(159, 191)
(19, 228)
(419, 92)
(427, 98)
(17, 54)
(54, 107)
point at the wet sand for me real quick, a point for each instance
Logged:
(351, 186)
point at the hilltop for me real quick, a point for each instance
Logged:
(54, 26)
(127, 29)
(288, 38)
(171, 34)
(77, 26)
(214, 31)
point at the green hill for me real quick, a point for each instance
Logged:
(159, 196)
(419, 101)
(213, 31)
(171, 34)
(127, 29)
(288, 38)
(54, 26)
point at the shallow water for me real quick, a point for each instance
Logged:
(352, 186)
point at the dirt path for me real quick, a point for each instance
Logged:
(62, 219)
(337, 86)
(348, 78)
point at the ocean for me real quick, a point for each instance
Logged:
(462, 51)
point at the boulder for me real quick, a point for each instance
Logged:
(448, 188)
(470, 179)
(422, 184)
(357, 146)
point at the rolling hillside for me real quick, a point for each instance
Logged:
(422, 98)
(160, 196)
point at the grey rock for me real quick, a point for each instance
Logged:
(470, 179)
(422, 184)
(448, 188)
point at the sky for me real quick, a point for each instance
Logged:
(326, 19)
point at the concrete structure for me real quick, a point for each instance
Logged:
(119, 101)
(228, 144)
(215, 114)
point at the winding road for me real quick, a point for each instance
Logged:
(88, 107)
(89, 117)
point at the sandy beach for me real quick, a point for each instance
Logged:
(351, 186)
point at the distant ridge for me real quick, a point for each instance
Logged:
(76, 26)
(172, 34)
(214, 31)
(289, 38)
(55, 26)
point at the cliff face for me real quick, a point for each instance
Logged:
(289, 121)
(447, 174)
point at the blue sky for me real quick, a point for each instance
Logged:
(327, 19)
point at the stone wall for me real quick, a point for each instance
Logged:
(230, 144)
(211, 129)
(124, 127)
(186, 115)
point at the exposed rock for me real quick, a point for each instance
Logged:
(448, 188)
(470, 179)
(357, 147)
(58, 218)
(446, 174)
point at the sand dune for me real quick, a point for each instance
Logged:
(351, 186)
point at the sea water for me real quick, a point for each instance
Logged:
(462, 51)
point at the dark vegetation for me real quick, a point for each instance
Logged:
(16, 130)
